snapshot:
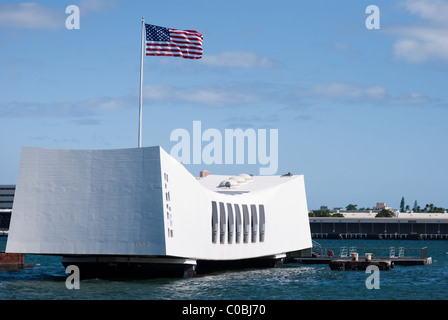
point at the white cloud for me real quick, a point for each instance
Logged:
(208, 96)
(427, 40)
(211, 96)
(88, 6)
(420, 44)
(361, 94)
(31, 15)
(342, 90)
(240, 59)
(229, 96)
(435, 10)
(63, 109)
(413, 98)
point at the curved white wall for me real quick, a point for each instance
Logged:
(144, 202)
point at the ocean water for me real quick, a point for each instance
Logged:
(46, 281)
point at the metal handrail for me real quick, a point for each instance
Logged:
(376, 251)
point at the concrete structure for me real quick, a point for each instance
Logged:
(7, 196)
(104, 208)
(6, 203)
(380, 206)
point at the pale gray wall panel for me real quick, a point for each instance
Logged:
(88, 202)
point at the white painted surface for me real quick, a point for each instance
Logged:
(88, 202)
(144, 202)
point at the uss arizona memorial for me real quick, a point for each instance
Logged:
(139, 211)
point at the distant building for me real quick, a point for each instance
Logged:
(380, 206)
(204, 173)
(6, 201)
(7, 196)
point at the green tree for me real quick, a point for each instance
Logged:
(351, 207)
(338, 215)
(402, 204)
(384, 214)
(439, 210)
(319, 213)
(324, 213)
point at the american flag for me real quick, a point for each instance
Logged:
(162, 41)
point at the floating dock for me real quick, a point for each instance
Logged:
(360, 265)
(396, 256)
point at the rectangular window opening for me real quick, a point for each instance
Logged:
(246, 224)
(254, 222)
(238, 224)
(262, 222)
(230, 223)
(214, 222)
(222, 223)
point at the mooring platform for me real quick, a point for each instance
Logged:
(408, 261)
(360, 265)
(397, 256)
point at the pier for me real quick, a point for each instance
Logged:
(396, 256)
(360, 265)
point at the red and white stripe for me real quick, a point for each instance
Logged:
(183, 43)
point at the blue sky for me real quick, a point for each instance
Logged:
(361, 113)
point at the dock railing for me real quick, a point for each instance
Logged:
(377, 253)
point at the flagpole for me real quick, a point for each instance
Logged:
(141, 84)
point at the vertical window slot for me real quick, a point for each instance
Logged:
(230, 223)
(214, 222)
(238, 224)
(222, 223)
(254, 222)
(246, 224)
(262, 222)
